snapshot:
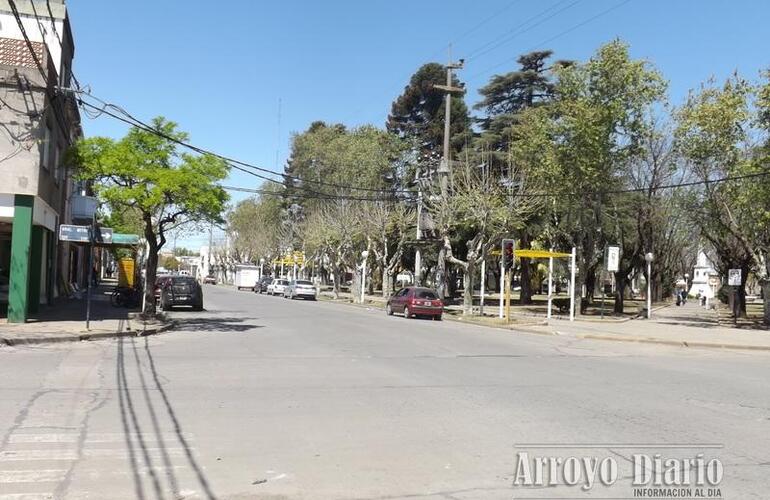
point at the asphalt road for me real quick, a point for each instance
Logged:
(266, 398)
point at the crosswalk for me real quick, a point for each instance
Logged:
(34, 466)
(54, 451)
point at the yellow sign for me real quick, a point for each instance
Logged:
(126, 268)
(291, 259)
(534, 254)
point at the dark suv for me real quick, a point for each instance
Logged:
(181, 291)
(261, 285)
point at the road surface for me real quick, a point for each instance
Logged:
(266, 398)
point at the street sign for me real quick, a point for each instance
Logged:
(125, 239)
(734, 277)
(612, 258)
(104, 235)
(78, 234)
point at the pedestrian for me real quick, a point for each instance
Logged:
(684, 297)
(678, 298)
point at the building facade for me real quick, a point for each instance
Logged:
(38, 122)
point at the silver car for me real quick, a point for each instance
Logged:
(300, 288)
(277, 287)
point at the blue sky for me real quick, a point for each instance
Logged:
(219, 69)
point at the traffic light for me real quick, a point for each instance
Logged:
(508, 253)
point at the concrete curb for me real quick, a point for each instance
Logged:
(528, 328)
(79, 337)
(676, 343)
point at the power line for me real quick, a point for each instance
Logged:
(558, 35)
(310, 193)
(132, 120)
(39, 65)
(500, 41)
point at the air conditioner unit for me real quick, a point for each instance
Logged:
(84, 207)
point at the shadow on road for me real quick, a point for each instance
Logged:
(226, 324)
(135, 436)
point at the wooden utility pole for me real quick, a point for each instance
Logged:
(445, 168)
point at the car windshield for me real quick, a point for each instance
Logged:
(183, 281)
(425, 294)
(304, 282)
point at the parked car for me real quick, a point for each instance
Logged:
(415, 301)
(181, 291)
(276, 286)
(300, 288)
(261, 285)
(160, 281)
(210, 280)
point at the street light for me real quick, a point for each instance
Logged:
(649, 258)
(364, 254)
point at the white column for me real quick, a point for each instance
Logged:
(572, 286)
(363, 279)
(550, 285)
(483, 283)
(649, 289)
(502, 287)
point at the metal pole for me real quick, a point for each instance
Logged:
(447, 131)
(502, 287)
(572, 286)
(508, 297)
(483, 283)
(90, 272)
(649, 289)
(417, 256)
(550, 285)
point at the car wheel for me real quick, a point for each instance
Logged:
(388, 310)
(437, 318)
(198, 307)
(407, 312)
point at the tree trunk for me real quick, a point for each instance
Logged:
(387, 281)
(620, 288)
(441, 275)
(469, 271)
(151, 267)
(766, 300)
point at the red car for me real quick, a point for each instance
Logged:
(414, 301)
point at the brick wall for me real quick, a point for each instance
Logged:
(16, 53)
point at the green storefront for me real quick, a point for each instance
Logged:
(27, 255)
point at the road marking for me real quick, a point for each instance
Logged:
(113, 437)
(27, 496)
(71, 455)
(32, 476)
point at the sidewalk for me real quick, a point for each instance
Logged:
(65, 321)
(688, 325)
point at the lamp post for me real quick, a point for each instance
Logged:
(364, 254)
(649, 258)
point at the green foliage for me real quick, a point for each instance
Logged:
(417, 115)
(171, 263)
(144, 175)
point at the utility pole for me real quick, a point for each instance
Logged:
(445, 168)
(211, 242)
(417, 257)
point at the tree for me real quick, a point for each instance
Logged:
(715, 134)
(417, 115)
(171, 263)
(505, 97)
(593, 128)
(145, 172)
